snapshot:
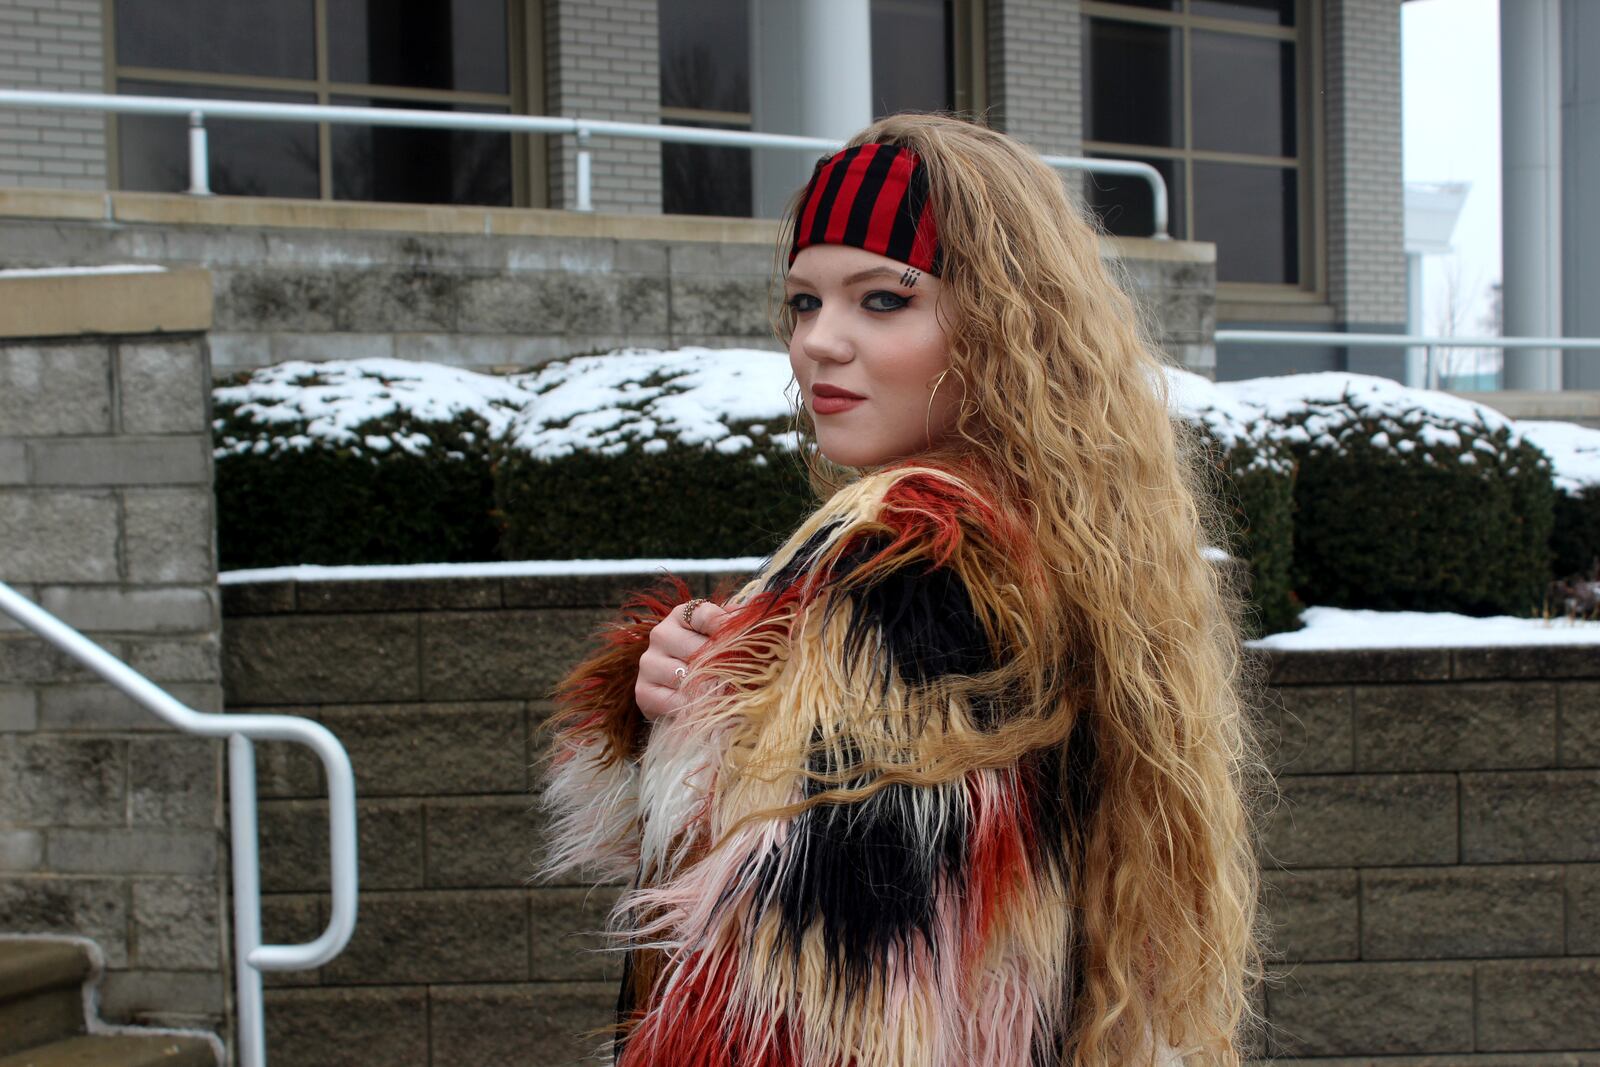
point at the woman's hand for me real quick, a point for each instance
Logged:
(664, 664)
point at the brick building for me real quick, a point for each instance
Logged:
(1275, 122)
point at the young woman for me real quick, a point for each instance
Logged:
(960, 779)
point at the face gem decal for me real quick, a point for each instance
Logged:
(909, 278)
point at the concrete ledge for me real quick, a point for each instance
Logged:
(181, 209)
(1568, 404)
(67, 305)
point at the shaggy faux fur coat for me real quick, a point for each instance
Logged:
(921, 923)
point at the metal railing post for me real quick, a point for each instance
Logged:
(246, 900)
(199, 156)
(253, 956)
(585, 198)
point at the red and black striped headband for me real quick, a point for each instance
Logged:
(872, 196)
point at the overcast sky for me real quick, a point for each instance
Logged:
(1450, 68)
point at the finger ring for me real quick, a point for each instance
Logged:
(688, 611)
(681, 673)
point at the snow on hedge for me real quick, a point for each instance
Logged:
(332, 403)
(1574, 452)
(710, 397)
(1322, 410)
(696, 396)
(1231, 421)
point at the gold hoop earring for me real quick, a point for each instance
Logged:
(927, 420)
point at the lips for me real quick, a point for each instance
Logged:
(831, 400)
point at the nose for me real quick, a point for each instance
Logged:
(826, 338)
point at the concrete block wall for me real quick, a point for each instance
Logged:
(54, 45)
(1432, 875)
(111, 823)
(1436, 890)
(602, 61)
(487, 289)
(1365, 188)
(437, 689)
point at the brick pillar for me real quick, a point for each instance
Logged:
(1365, 185)
(110, 823)
(602, 61)
(1035, 73)
(53, 45)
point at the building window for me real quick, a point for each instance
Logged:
(1213, 94)
(705, 81)
(447, 55)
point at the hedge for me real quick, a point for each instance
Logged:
(1257, 499)
(315, 502)
(1418, 511)
(680, 500)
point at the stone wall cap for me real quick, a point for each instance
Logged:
(120, 299)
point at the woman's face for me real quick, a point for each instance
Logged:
(868, 348)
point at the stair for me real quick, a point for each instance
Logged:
(42, 1021)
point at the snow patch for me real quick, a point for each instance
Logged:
(1346, 628)
(534, 568)
(1574, 452)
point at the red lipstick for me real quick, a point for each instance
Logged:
(831, 400)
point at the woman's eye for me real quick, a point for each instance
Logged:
(880, 300)
(800, 303)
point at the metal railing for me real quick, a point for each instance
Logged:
(198, 110)
(1429, 344)
(251, 957)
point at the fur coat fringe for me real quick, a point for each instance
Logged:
(827, 866)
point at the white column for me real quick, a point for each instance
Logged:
(1416, 358)
(1530, 165)
(810, 74)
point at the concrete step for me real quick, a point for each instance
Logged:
(118, 1050)
(42, 1022)
(41, 992)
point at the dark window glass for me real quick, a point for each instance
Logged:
(1243, 94)
(420, 166)
(248, 158)
(705, 54)
(228, 36)
(1252, 214)
(912, 58)
(1133, 76)
(1125, 205)
(422, 44)
(1273, 12)
(705, 179)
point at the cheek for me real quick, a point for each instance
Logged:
(798, 364)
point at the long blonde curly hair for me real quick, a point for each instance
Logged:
(1065, 410)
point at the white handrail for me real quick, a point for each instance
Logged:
(251, 956)
(196, 110)
(1430, 369)
(1395, 340)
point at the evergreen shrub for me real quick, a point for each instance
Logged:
(1252, 483)
(678, 501)
(1575, 539)
(1255, 483)
(335, 466)
(1435, 506)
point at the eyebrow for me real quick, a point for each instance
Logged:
(860, 275)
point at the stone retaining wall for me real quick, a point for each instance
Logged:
(110, 823)
(1435, 887)
(486, 288)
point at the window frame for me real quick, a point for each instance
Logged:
(1310, 173)
(968, 75)
(524, 38)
